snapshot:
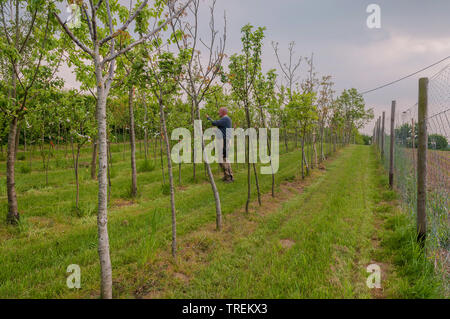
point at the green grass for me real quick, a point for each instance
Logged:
(413, 273)
(53, 235)
(331, 223)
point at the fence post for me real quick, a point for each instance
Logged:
(376, 132)
(373, 135)
(422, 161)
(413, 134)
(382, 135)
(391, 147)
(379, 133)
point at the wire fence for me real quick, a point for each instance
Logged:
(405, 164)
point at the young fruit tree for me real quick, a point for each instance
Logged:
(289, 71)
(164, 71)
(80, 111)
(324, 101)
(264, 87)
(95, 39)
(199, 75)
(303, 113)
(243, 69)
(29, 56)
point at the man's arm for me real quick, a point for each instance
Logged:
(219, 123)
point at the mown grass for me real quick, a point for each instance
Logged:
(413, 274)
(52, 235)
(329, 224)
(346, 220)
(340, 221)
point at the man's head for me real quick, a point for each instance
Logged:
(223, 111)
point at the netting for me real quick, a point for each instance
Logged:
(438, 163)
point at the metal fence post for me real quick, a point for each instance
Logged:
(422, 162)
(391, 147)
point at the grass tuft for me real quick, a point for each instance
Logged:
(25, 169)
(165, 189)
(146, 166)
(415, 275)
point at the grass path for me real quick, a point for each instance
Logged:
(314, 240)
(314, 243)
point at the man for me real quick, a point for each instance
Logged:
(225, 138)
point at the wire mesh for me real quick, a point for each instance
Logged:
(438, 164)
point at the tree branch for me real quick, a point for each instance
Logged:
(144, 38)
(73, 37)
(125, 25)
(29, 32)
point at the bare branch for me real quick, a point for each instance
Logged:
(112, 50)
(29, 32)
(73, 37)
(8, 38)
(147, 36)
(125, 25)
(91, 32)
(95, 8)
(39, 62)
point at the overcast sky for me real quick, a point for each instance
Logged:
(413, 34)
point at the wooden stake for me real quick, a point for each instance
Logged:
(391, 147)
(422, 162)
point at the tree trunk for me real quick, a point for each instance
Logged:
(257, 184)
(75, 167)
(109, 168)
(59, 136)
(213, 184)
(161, 155)
(263, 120)
(303, 157)
(24, 140)
(334, 141)
(76, 174)
(145, 130)
(285, 137)
(247, 157)
(322, 155)
(123, 143)
(16, 148)
(172, 192)
(247, 115)
(315, 149)
(310, 151)
(194, 111)
(102, 217)
(13, 212)
(132, 144)
(30, 154)
(247, 203)
(47, 162)
(94, 160)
